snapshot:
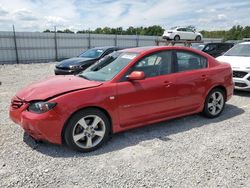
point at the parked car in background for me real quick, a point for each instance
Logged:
(213, 49)
(84, 60)
(181, 33)
(126, 89)
(239, 59)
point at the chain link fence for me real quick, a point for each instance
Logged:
(36, 47)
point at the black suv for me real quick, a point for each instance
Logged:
(213, 49)
(84, 60)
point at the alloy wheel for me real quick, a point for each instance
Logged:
(89, 131)
(215, 103)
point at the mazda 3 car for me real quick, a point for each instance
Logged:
(84, 60)
(126, 89)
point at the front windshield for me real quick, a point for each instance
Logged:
(108, 67)
(198, 46)
(239, 50)
(92, 53)
(172, 28)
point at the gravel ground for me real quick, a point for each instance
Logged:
(187, 152)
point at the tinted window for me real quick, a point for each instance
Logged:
(108, 52)
(224, 46)
(189, 30)
(156, 64)
(189, 61)
(210, 47)
(181, 29)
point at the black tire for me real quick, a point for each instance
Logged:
(73, 126)
(198, 38)
(177, 38)
(211, 106)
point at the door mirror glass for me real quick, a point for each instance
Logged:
(136, 75)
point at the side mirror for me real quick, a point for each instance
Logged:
(136, 75)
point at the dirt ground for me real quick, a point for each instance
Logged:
(186, 152)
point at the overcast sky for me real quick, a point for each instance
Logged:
(38, 15)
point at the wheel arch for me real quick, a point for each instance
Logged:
(84, 108)
(223, 88)
(176, 36)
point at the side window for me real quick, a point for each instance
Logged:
(107, 52)
(210, 47)
(156, 64)
(224, 46)
(186, 61)
(189, 30)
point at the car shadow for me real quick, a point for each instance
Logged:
(119, 141)
(242, 93)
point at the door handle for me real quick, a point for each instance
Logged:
(204, 77)
(167, 83)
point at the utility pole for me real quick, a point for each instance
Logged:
(89, 40)
(14, 34)
(55, 38)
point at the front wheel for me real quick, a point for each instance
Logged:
(177, 38)
(214, 103)
(87, 130)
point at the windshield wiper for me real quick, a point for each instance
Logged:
(82, 76)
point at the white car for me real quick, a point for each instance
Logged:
(239, 59)
(181, 33)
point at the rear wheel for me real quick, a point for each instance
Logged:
(87, 130)
(198, 38)
(214, 103)
(176, 38)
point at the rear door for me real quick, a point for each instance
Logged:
(190, 34)
(151, 98)
(181, 32)
(192, 80)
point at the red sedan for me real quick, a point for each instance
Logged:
(124, 90)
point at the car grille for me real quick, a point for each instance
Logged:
(240, 84)
(16, 103)
(239, 74)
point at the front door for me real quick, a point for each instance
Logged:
(150, 98)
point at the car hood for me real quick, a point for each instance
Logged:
(236, 62)
(73, 61)
(54, 86)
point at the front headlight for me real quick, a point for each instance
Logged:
(41, 107)
(75, 66)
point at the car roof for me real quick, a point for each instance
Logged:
(229, 43)
(149, 49)
(105, 47)
(245, 42)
